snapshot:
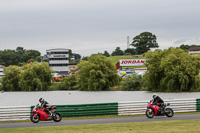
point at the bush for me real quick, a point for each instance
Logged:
(56, 86)
(32, 77)
(127, 54)
(97, 74)
(10, 81)
(70, 83)
(172, 70)
(36, 77)
(67, 83)
(131, 82)
(1, 87)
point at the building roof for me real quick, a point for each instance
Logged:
(194, 49)
(57, 49)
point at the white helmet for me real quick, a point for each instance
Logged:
(154, 95)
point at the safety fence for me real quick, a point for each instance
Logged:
(118, 108)
(14, 113)
(178, 105)
(87, 109)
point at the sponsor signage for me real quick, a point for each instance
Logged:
(132, 62)
(59, 55)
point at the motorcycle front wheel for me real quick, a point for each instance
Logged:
(57, 117)
(35, 119)
(150, 113)
(169, 112)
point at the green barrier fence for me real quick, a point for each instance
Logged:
(198, 104)
(87, 109)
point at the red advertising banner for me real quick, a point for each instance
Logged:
(132, 62)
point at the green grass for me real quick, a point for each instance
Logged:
(175, 126)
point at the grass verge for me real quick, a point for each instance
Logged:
(176, 126)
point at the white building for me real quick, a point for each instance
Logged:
(59, 60)
(1, 71)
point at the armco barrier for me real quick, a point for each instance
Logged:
(14, 113)
(87, 109)
(198, 104)
(139, 107)
(120, 108)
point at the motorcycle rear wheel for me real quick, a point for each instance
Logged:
(57, 117)
(150, 113)
(169, 112)
(35, 119)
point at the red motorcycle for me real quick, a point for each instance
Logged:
(39, 114)
(155, 110)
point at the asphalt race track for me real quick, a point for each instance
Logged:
(97, 121)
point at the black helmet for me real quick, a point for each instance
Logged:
(41, 100)
(154, 95)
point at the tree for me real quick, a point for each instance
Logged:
(77, 56)
(36, 77)
(96, 74)
(18, 56)
(117, 51)
(30, 54)
(73, 55)
(85, 58)
(132, 51)
(172, 70)
(184, 47)
(131, 82)
(11, 78)
(20, 50)
(70, 54)
(106, 54)
(9, 57)
(144, 42)
(1, 58)
(39, 58)
(70, 83)
(194, 45)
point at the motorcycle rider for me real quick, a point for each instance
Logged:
(158, 101)
(46, 105)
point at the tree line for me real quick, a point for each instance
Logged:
(96, 74)
(141, 43)
(19, 57)
(170, 70)
(29, 77)
(186, 46)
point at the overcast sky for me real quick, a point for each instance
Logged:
(92, 26)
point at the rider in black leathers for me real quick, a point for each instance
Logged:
(158, 101)
(46, 105)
